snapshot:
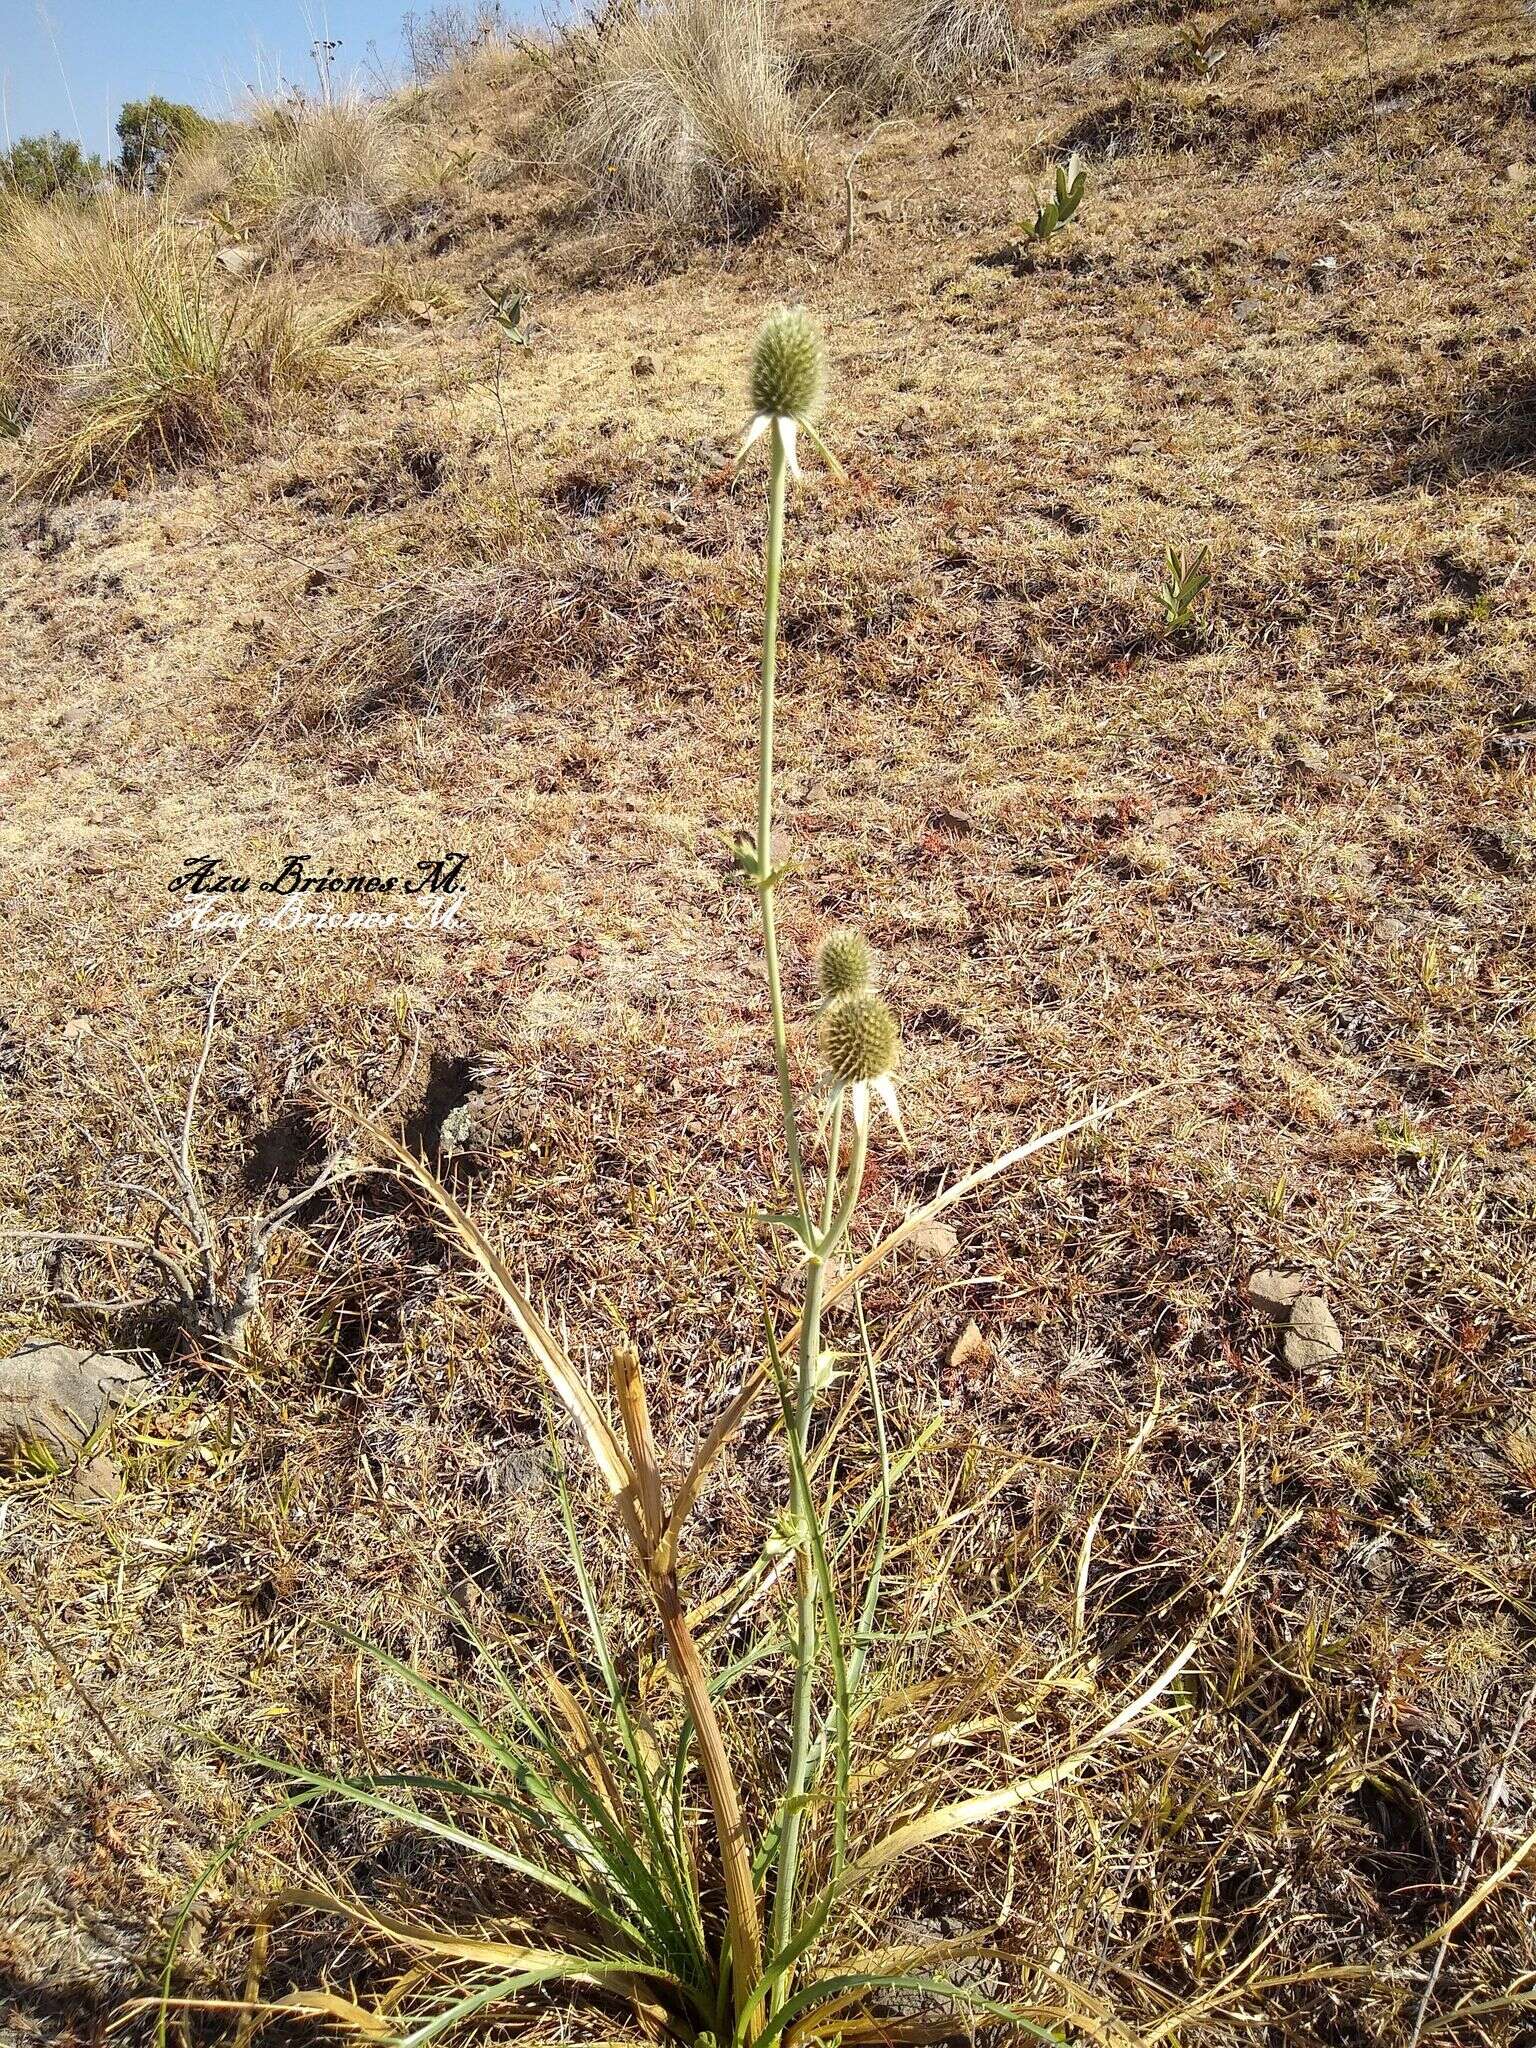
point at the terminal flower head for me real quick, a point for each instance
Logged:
(787, 383)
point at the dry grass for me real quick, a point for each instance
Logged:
(929, 42)
(1285, 860)
(450, 38)
(688, 115)
(124, 351)
(314, 174)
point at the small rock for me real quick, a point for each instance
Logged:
(1312, 1338)
(969, 1345)
(57, 1396)
(238, 258)
(934, 1241)
(456, 1131)
(1276, 1290)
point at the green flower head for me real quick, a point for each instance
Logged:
(789, 367)
(844, 964)
(858, 1037)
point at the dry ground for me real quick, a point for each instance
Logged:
(1287, 862)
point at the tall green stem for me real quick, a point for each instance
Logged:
(821, 1243)
(835, 1218)
(765, 876)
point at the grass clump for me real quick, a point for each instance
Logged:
(688, 115)
(315, 173)
(121, 350)
(936, 42)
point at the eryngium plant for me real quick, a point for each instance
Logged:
(626, 1872)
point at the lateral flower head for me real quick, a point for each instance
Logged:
(858, 1037)
(844, 965)
(859, 1042)
(787, 383)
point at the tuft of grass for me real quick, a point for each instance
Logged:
(124, 351)
(939, 41)
(688, 115)
(318, 173)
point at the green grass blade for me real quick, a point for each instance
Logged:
(364, 1795)
(209, 1871)
(840, 1719)
(603, 1844)
(669, 1885)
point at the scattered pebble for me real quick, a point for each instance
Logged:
(1312, 1337)
(56, 1397)
(934, 1241)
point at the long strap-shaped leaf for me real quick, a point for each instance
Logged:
(984, 1807)
(620, 1476)
(414, 1934)
(608, 1454)
(731, 1417)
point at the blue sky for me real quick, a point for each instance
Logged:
(205, 51)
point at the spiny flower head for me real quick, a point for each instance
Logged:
(844, 964)
(789, 374)
(789, 367)
(858, 1037)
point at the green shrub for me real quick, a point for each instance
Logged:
(151, 134)
(44, 166)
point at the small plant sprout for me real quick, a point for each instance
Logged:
(703, 1864)
(1202, 50)
(1053, 215)
(506, 308)
(1185, 581)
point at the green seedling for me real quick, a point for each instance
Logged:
(507, 306)
(1202, 51)
(1055, 214)
(1185, 581)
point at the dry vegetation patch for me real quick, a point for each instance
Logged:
(688, 114)
(122, 349)
(936, 42)
(311, 175)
